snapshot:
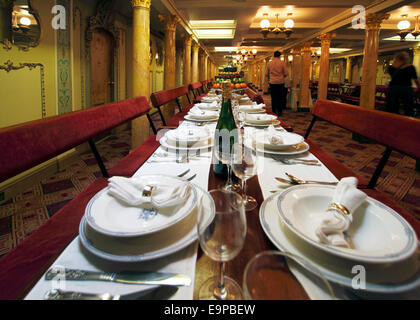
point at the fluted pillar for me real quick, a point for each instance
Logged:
(296, 67)
(370, 57)
(170, 22)
(266, 84)
(201, 65)
(324, 68)
(140, 127)
(348, 69)
(195, 71)
(306, 69)
(187, 59)
(416, 58)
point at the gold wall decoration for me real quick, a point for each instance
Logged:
(9, 66)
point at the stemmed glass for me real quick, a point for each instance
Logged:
(222, 237)
(245, 166)
(225, 157)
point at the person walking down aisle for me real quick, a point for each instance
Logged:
(400, 87)
(276, 72)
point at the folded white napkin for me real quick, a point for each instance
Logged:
(332, 227)
(130, 191)
(208, 106)
(274, 136)
(259, 118)
(198, 113)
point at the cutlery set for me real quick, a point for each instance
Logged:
(294, 181)
(167, 284)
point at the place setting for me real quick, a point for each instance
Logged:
(260, 120)
(188, 138)
(339, 229)
(197, 114)
(275, 142)
(134, 234)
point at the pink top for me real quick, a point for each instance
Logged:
(276, 71)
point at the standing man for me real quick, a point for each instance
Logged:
(276, 72)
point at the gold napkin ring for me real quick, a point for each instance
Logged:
(339, 207)
(147, 192)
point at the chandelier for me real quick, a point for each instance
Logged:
(244, 54)
(287, 29)
(404, 28)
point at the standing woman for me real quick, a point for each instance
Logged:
(400, 88)
(276, 72)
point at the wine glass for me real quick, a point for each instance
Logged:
(221, 238)
(245, 166)
(268, 276)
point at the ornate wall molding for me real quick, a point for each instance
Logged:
(9, 66)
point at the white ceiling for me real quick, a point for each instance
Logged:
(312, 17)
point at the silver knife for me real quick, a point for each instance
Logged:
(159, 293)
(152, 278)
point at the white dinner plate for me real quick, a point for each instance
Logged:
(107, 215)
(189, 136)
(165, 145)
(292, 151)
(379, 234)
(289, 140)
(189, 118)
(157, 249)
(380, 279)
(265, 125)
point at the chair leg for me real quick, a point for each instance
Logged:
(188, 97)
(310, 127)
(98, 158)
(379, 168)
(161, 116)
(179, 105)
(152, 125)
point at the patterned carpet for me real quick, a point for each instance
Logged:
(27, 211)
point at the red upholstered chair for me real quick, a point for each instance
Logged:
(26, 145)
(395, 132)
(161, 98)
(196, 89)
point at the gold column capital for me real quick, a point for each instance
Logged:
(374, 20)
(188, 39)
(326, 38)
(170, 21)
(195, 46)
(307, 46)
(141, 3)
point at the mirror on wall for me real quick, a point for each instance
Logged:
(26, 28)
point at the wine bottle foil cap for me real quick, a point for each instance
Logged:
(227, 91)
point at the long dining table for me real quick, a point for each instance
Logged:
(191, 260)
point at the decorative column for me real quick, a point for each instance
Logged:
(170, 57)
(266, 84)
(195, 72)
(261, 80)
(205, 68)
(140, 127)
(201, 65)
(324, 67)
(296, 67)
(187, 59)
(306, 69)
(370, 57)
(416, 58)
(348, 69)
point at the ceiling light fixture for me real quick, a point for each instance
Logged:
(287, 29)
(404, 28)
(247, 53)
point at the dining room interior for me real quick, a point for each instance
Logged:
(145, 153)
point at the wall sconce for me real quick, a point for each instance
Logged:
(290, 58)
(404, 27)
(246, 53)
(286, 29)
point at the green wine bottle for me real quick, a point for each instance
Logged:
(226, 134)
